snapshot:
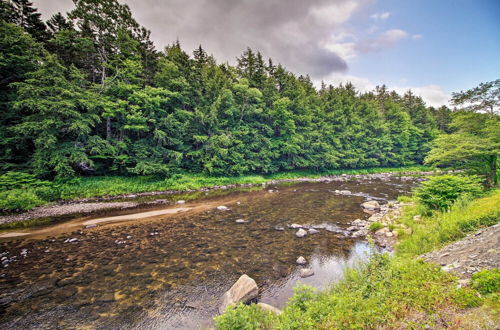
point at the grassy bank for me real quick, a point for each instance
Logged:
(33, 193)
(399, 291)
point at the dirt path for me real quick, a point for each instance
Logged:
(477, 251)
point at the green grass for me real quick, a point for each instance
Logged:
(387, 292)
(90, 187)
(433, 231)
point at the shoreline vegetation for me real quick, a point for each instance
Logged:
(398, 291)
(33, 193)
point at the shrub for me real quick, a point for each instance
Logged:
(18, 199)
(374, 226)
(246, 317)
(439, 193)
(487, 281)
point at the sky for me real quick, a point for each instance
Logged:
(434, 47)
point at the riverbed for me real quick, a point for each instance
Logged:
(165, 267)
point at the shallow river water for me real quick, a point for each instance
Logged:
(170, 269)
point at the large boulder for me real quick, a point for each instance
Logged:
(371, 205)
(243, 291)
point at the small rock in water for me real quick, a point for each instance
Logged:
(129, 237)
(313, 231)
(301, 260)
(306, 272)
(222, 208)
(371, 205)
(352, 228)
(301, 233)
(295, 226)
(238, 203)
(181, 202)
(279, 228)
(241, 221)
(91, 226)
(71, 240)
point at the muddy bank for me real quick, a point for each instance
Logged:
(90, 206)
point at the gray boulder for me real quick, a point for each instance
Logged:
(244, 290)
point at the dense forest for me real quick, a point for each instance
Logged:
(87, 93)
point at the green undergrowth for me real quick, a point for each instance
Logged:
(22, 192)
(387, 292)
(430, 232)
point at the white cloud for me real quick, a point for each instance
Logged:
(336, 13)
(416, 36)
(384, 40)
(381, 16)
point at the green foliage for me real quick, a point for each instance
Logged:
(244, 317)
(19, 200)
(466, 298)
(385, 291)
(374, 226)
(95, 98)
(487, 281)
(474, 145)
(443, 227)
(440, 192)
(16, 180)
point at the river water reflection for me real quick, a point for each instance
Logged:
(169, 271)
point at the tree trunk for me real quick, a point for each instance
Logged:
(108, 128)
(493, 170)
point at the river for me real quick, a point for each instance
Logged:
(167, 267)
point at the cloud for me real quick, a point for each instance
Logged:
(381, 16)
(292, 32)
(384, 40)
(416, 36)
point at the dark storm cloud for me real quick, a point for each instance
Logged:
(292, 32)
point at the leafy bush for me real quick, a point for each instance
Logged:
(18, 199)
(374, 226)
(440, 192)
(487, 281)
(246, 317)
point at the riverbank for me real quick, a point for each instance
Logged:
(403, 291)
(88, 195)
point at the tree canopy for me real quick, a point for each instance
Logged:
(92, 96)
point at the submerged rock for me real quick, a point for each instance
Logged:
(243, 291)
(306, 272)
(301, 260)
(301, 233)
(295, 226)
(222, 208)
(240, 221)
(313, 231)
(371, 205)
(279, 228)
